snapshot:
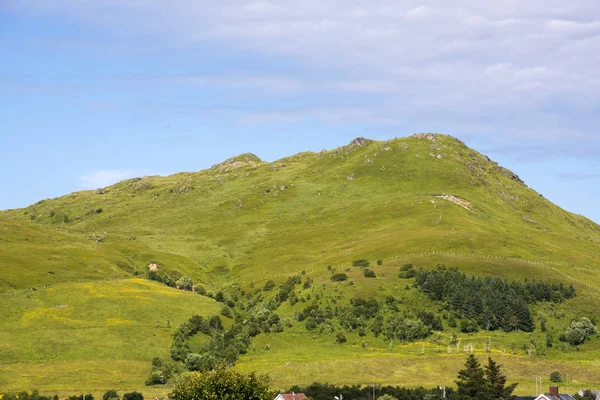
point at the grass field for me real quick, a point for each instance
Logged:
(91, 325)
(90, 336)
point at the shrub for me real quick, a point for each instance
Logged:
(185, 283)
(369, 273)
(110, 395)
(132, 396)
(555, 376)
(201, 290)
(156, 378)
(468, 326)
(379, 262)
(363, 263)
(340, 337)
(339, 277)
(222, 383)
(269, 285)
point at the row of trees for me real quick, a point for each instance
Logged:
(108, 395)
(489, 303)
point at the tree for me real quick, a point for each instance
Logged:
(387, 397)
(496, 383)
(110, 395)
(133, 396)
(222, 383)
(555, 376)
(471, 381)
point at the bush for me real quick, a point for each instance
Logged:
(185, 283)
(155, 378)
(110, 395)
(369, 273)
(132, 396)
(222, 383)
(269, 285)
(340, 337)
(200, 290)
(468, 326)
(339, 277)
(363, 263)
(555, 376)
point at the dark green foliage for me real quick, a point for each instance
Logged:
(369, 273)
(185, 283)
(326, 391)
(286, 290)
(222, 383)
(496, 383)
(156, 378)
(380, 262)
(339, 277)
(491, 302)
(269, 285)
(471, 384)
(549, 340)
(468, 326)
(363, 263)
(407, 271)
(340, 337)
(110, 394)
(555, 376)
(34, 395)
(477, 383)
(132, 396)
(201, 290)
(74, 397)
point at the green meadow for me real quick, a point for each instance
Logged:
(78, 314)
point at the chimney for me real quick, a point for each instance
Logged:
(554, 391)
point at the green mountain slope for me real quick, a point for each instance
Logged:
(425, 199)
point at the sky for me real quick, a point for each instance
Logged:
(93, 92)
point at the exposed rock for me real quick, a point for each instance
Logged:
(152, 267)
(359, 141)
(456, 200)
(509, 174)
(428, 136)
(100, 191)
(528, 219)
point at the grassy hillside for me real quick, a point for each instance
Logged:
(426, 199)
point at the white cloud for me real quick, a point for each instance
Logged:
(418, 57)
(107, 177)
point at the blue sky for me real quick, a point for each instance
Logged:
(97, 91)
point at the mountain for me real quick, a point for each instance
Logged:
(426, 199)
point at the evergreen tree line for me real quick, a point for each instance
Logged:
(489, 303)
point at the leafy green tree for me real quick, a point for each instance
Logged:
(132, 396)
(156, 377)
(471, 383)
(555, 376)
(222, 383)
(496, 388)
(579, 331)
(387, 397)
(110, 395)
(185, 283)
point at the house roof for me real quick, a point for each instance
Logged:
(291, 396)
(551, 397)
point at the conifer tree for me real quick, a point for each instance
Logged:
(496, 383)
(471, 381)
